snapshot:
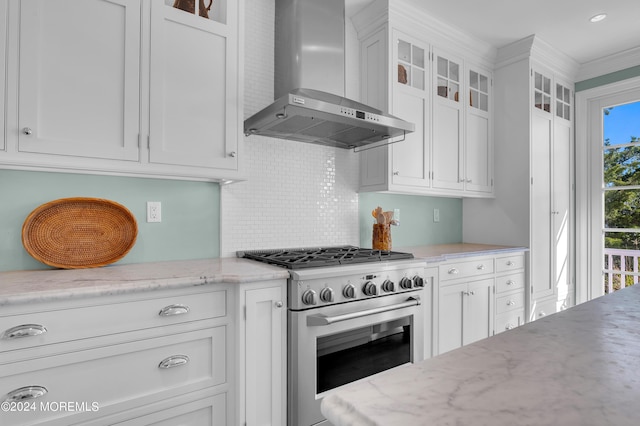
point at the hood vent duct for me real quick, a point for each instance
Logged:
(309, 83)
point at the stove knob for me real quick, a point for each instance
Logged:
(370, 289)
(326, 295)
(349, 291)
(388, 286)
(309, 297)
(418, 281)
(406, 283)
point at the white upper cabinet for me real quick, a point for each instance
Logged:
(448, 113)
(79, 78)
(192, 102)
(418, 73)
(135, 88)
(410, 101)
(478, 160)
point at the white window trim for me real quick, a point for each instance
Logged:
(588, 183)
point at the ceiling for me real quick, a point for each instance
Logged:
(563, 24)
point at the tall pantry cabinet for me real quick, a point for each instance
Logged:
(534, 191)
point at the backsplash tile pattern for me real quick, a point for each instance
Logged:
(297, 194)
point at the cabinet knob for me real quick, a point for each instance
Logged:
(279, 304)
(232, 154)
(173, 361)
(468, 293)
(509, 263)
(26, 393)
(27, 131)
(508, 327)
(452, 271)
(396, 173)
(480, 267)
(511, 303)
(24, 330)
(510, 282)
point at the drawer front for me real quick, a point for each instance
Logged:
(509, 320)
(472, 268)
(510, 282)
(101, 379)
(509, 302)
(210, 411)
(510, 263)
(63, 325)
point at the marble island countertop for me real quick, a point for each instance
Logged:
(18, 287)
(577, 367)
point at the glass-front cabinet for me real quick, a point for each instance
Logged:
(542, 92)
(207, 9)
(410, 101)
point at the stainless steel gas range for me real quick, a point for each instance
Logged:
(352, 313)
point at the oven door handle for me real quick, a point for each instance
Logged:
(319, 319)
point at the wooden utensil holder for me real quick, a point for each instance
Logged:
(381, 237)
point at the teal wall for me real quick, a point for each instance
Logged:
(416, 219)
(608, 78)
(190, 227)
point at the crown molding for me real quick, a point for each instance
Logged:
(609, 64)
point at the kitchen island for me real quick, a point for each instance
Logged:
(577, 367)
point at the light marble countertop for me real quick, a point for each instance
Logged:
(444, 252)
(18, 287)
(578, 367)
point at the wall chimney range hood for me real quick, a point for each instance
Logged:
(309, 83)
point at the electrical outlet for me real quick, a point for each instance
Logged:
(436, 215)
(154, 211)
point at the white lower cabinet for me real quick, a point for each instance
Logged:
(262, 346)
(477, 298)
(160, 358)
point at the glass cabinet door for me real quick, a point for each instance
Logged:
(563, 102)
(542, 92)
(209, 9)
(478, 91)
(448, 79)
(411, 65)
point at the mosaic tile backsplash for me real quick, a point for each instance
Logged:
(297, 194)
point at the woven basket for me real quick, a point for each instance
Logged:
(73, 233)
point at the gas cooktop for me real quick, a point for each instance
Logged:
(317, 257)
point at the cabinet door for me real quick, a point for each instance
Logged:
(447, 139)
(541, 188)
(79, 78)
(478, 311)
(479, 141)
(450, 317)
(561, 216)
(194, 118)
(265, 343)
(410, 158)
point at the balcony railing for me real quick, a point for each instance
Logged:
(620, 269)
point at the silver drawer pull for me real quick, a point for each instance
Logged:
(26, 393)
(173, 361)
(480, 267)
(170, 310)
(508, 327)
(452, 271)
(511, 282)
(24, 330)
(511, 303)
(510, 263)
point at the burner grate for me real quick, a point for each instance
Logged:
(298, 258)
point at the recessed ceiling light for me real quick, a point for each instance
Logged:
(597, 18)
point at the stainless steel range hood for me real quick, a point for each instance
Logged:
(309, 83)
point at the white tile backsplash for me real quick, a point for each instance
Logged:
(297, 194)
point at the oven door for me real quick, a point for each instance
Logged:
(334, 345)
